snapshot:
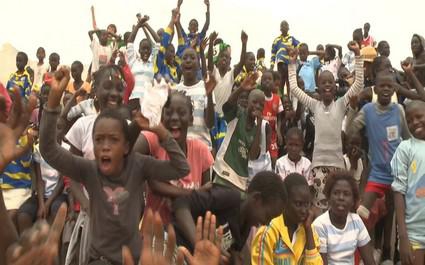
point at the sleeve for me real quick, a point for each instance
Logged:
(274, 51)
(74, 112)
(316, 63)
(131, 53)
(322, 235)
(295, 42)
(346, 59)
(262, 247)
(363, 237)
(75, 134)
(177, 167)
(153, 142)
(358, 82)
(306, 100)
(94, 43)
(57, 157)
(400, 167)
(312, 257)
(405, 132)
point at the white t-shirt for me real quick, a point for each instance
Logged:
(80, 135)
(199, 98)
(101, 54)
(49, 175)
(223, 89)
(358, 173)
(284, 167)
(39, 71)
(340, 244)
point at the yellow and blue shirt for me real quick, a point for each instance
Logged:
(17, 175)
(23, 81)
(280, 49)
(162, 68)
(273, 246)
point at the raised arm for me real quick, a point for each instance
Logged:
(213, 37)
(62, 160)
(152, 32)
(239, 66)
(209, 110)
(408, 69)
(358, 84)
(306, 100)
(140, 24)
(207, 19)
(93, 18)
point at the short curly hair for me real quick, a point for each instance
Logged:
(342, 176)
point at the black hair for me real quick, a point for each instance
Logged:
(415, 104)
(194, 20)
(182, 94)
(106, 71)
(269, 185)
(41, 48)
(126, 36)
(22, 54)
(358, 32)
(342, 175)
(269, 72)
(145, 40)
(381, 43)
(294, 180)
(115, 115)
(261, 51)
(54, 54)
(331, 51)
(294, 131)
(113, 26)
(78, 64)
(384, 74)
(250, 53)
(303, 45)
(377, 63)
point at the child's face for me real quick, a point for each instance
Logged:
(327, 87)
(170, 54)
(298, 204)
(261, 54)
(416, 122)
(267, 81)
(193, 26)
(53, 62)
(243, 100)
(294, 145)
(21, 62)
(287, 104)
(76, 72)
(341, 200)
(354, 146)
(103, 39)
(250, 62)
(110, 147)
(303, 52)
(223, 60)
(255, 104)
(384, 88)
(416, 46)
(177, 117)
(284, 27)
(111, 29)
(384, 49)
(189, 62)
(41, 54)
(110, 93)
(145, 50)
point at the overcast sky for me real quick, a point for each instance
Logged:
(62, 25)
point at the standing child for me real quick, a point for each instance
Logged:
(353, 158)
(76, 71)
(21, 78)
(101, 51)
(116, 176)
(203, 100)
(367, 38)
(261, 56)
(39, 69)
(340, 230)
(177, 116)
(417, 45)
(328, 118)
(272, 111)
(308, 68)
(289, 238)
(54, 61)
(293, 161)
(332, 61)
(408, 168)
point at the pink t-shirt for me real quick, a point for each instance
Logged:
(8, 100)
(199, 159)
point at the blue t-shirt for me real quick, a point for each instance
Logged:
(308, 73)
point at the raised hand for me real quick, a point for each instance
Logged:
(58, 85)
(179, 3)
(153, 254)
(249, 82)
(208, 243)
(142, 21)
(175, 15)
(40, 244)
(213, 37)
(207, 2)
(244, 37)
(354, 46)
(16, 124)
(204, 43)
(407, 66)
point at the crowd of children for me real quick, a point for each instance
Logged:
(309, 162)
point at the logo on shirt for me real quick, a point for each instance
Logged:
(116, 197)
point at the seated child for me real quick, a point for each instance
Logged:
(408, 168)
(289, 238)
(293, 161)
(235, 214)
(340, 230)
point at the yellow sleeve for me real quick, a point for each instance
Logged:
(262, 246)
(313, 257)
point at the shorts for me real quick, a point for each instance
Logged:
(320, 176)
(30, 206)
(377, 188)
(14, 198)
